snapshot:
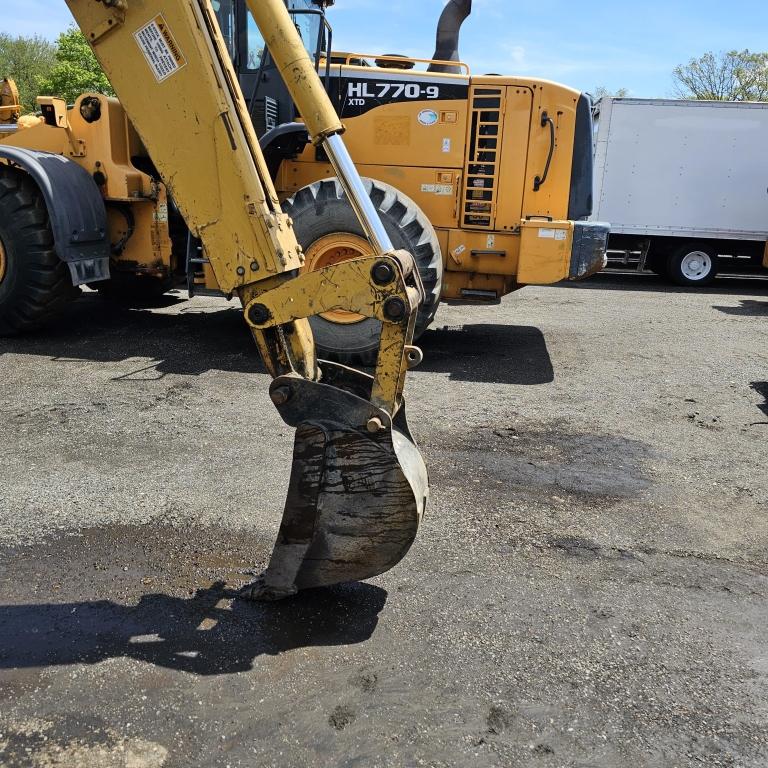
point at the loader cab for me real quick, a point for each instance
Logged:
(269, 102)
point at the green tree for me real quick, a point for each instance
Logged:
(76, 69)
(26, 60)
(731, 76)
(601, 92)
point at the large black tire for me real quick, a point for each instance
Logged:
(321, 210)
(34, 283)
(693, 264)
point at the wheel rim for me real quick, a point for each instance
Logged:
(333, 249)
(3, 261)
(696, 265)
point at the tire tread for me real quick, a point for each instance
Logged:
(44, 282)
(399, 210)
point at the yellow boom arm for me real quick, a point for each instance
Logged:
(168, 63)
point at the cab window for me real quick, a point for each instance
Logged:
(225, 14)
(307, 24)
(255, 44)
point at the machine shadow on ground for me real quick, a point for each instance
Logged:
(193, 342)
(761, 387)
(640, 281)
(212, 633)
(188, 343)
(748, 308)
(488, 353)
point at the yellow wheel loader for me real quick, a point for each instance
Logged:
(486, 180)
(10, 109)
(96, 189)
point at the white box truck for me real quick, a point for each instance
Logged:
(684, 185)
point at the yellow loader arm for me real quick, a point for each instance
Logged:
(358, 486)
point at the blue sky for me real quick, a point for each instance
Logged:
(614, 44)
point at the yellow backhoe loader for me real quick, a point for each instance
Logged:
(358, 486)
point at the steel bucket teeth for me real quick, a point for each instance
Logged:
(355, 499)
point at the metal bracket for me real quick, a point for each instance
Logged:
(350, 285)
(112, 22)
(386, 288)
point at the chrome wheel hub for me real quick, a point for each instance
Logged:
(696, 265)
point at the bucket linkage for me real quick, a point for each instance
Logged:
(358, 486)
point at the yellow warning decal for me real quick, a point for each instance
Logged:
(160, 49)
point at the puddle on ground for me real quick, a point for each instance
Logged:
(604, 467)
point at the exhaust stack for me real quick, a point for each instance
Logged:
(448, 31)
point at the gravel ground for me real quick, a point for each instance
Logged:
(588, 589)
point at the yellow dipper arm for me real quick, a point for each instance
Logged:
(358, 485)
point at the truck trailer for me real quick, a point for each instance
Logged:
(684, 185)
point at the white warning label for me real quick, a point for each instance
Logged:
(160, 49)
(553, 234)
(443, 190)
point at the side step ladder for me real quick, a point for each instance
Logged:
(195, 262)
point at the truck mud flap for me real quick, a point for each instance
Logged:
(590, 247)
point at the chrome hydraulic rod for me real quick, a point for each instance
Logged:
(323, 124)
(356, 193)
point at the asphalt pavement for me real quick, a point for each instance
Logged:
(588, 588)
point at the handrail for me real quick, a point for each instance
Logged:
(539, 181)
(379, 57)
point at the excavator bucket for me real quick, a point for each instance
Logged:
(355, 498)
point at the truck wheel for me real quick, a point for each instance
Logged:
(34, 283)
(692, 264)
(328, 230)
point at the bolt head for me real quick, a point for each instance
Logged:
(280, 395)
(382, 273)
(395, 309)
(374, 425)
(254, 266)
(258, 314)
